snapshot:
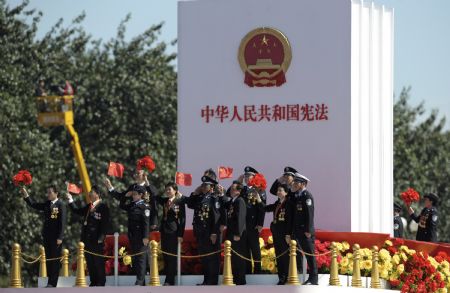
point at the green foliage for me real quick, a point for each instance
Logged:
(422, 157)
(125, 108)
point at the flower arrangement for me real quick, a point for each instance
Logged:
(258, 181)
(409, 196)
(22, 177)
(147, 163)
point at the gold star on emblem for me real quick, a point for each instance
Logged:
(264, 41)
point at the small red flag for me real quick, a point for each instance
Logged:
(183, 179)
(225, 172)
(73, 188)
(115, 169)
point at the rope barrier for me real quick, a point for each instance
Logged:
(258, 261)
(312, 254)
(31, 262)
(191, 256)
(112, 256)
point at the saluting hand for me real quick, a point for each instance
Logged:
(69, 196)
(58, 241)
(108, 184)
(147, 183)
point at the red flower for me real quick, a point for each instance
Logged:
(146, 162)
(23, 176)
(258, 181)
(409, 196)
(395, 283)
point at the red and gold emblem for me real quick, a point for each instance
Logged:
(264, 56)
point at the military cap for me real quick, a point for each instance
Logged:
(397, 207)
(208, 180)
(300, 178)
(432, 196)
(139, 189)
(290, 171)
(250, 170)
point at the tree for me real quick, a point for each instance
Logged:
(125, 108)
(422, 157)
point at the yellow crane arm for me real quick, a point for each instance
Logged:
(81, 166)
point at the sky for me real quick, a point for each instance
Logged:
(422, 36)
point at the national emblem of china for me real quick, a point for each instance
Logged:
(264, 56)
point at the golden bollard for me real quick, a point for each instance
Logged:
(65, 263)
(154, 271)
(375, 274)
(293, 275)
(15, 280)
(356, 277)
(42, 263)
(334, 274)
(80, 280)
(227, 271)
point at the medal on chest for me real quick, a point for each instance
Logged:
(54, 214)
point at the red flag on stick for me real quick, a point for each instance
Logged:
(73, 188)
(225, 172)
(183, 179)
(115, 169)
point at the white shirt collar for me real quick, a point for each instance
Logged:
(54, 201)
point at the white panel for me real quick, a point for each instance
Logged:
(372, 92)
(209, 74)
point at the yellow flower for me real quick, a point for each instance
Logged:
(384, 274)
(403, 256)
(443, 290)
(433, 262)
(388, 242)
(127, 260)
(339, 246)
(411, 251)
(261, 242)
(403, 248)
(345, 245)
(344, 262)
(272, 251)
(393, 277)
(349, 255)
(384, 254)
(122, 250)
(271, 266)
(367, 265)
(265, 263)
(264, 252)
(270, 240)
(400, 268)
(396, 259)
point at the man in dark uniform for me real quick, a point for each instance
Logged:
(54, 225)
(254, 219)
(282, 215)
(172, 228)
(427, 219)
(236, 232)
(286, 178)
(302, 203)
(138, 228)
(398, 223)
(206, 228)
(140, 179)
(95, 227)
